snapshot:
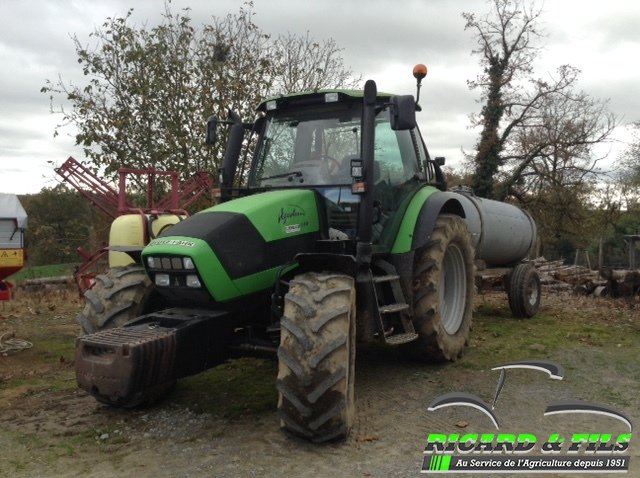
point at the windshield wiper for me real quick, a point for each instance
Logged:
(290, 175)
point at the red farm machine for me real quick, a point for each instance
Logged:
(13, 221)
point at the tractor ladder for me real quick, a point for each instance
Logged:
(393, 310)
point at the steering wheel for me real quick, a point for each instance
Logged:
(316, 171)
(333, 165)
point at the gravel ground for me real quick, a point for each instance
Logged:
(59, 431)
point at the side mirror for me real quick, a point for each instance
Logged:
(403, 112)
(212, 130)
(439, 160)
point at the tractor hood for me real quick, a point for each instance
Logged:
(235, 248)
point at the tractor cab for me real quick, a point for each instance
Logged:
(314, 141)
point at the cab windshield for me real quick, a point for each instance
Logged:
(313, 147)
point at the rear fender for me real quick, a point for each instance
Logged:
(420, 218)
(439, 203)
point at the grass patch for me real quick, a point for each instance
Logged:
(244, 386)
(29, 385)
(55, 348)
(46, 450)
(37, 272)
(46, 367)
(498, 337)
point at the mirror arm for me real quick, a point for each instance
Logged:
(418, 107)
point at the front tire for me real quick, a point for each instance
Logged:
(317, 357)
(443, 291)
(120, 295)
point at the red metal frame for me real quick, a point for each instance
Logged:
(90, 186)
(172, 198)
(114, 203)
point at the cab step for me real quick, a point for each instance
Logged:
(393, 308)
(399, 339)
(394, 313)
(385, 278)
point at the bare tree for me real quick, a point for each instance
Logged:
(551, 169)
(306, 64)
(631, 158)
(527, 120)
(554, 146)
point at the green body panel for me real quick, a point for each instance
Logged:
(215, 278)
(277, 214)
(404, 238)
(260, 281)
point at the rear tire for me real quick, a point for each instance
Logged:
(443, 290)
(524, 291)
(317, 357)
(120, 295)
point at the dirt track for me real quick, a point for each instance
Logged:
(48, 428)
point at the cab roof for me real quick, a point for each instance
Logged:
(307, 98)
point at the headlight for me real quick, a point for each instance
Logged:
(151, 262)
(193, 281)
(188, 263)
(162, 280)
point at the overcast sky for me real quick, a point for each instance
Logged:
(382, 40)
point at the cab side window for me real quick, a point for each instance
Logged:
(395, 166)
(395, 155)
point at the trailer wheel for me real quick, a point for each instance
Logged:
(316, 357)
(524, 291)
(443, 291)
(122, 294)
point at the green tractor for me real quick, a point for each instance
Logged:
(344, 233)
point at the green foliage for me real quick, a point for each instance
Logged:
(488, 158)
(561, 215)
(36, 272)
(60, 221)
(149, 91)
(616, 250)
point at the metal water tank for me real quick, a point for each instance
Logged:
(503, 234)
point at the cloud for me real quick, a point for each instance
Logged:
(381, 39)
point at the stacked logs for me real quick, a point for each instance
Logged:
(558, 276)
